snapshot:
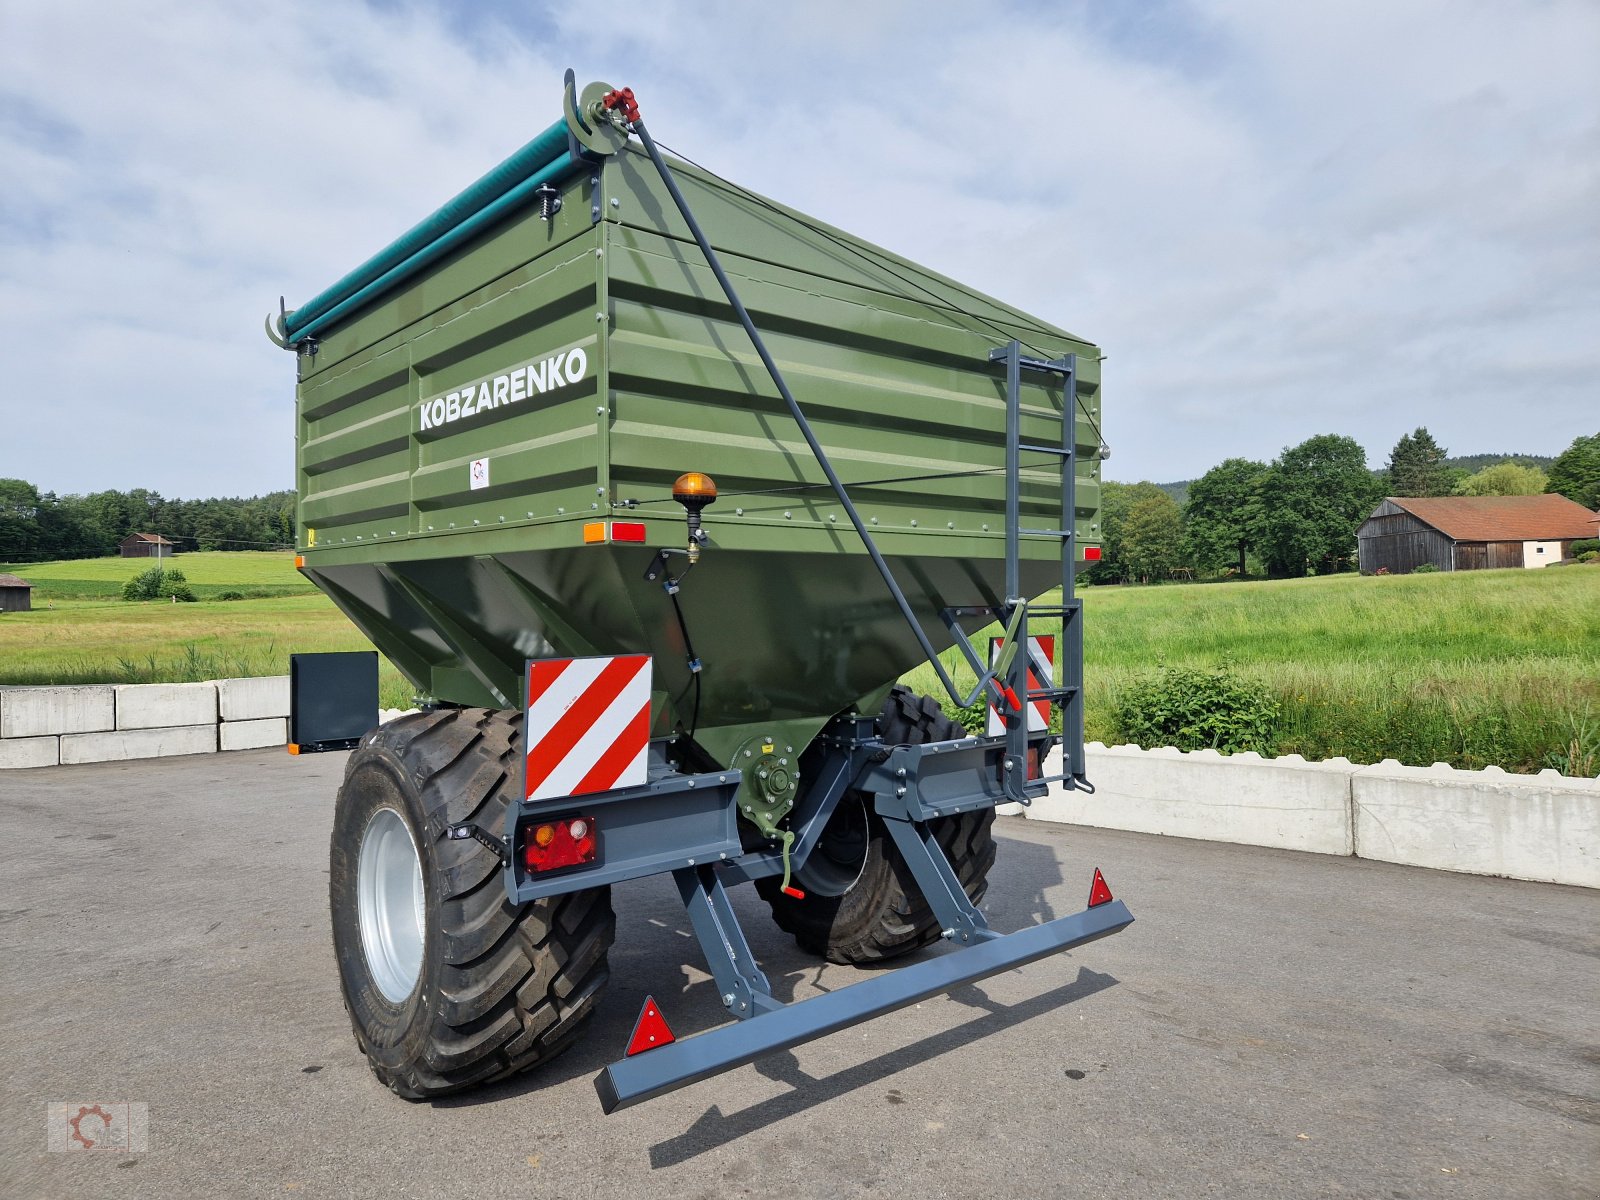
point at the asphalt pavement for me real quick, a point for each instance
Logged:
(1273, 1024)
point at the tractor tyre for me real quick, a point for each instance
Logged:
(447, 983)
(862, 904)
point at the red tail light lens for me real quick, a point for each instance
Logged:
(565, 842)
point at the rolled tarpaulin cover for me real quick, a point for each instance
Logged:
(534, 157)
(452, 237)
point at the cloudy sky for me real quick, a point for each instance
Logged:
(1278, 219)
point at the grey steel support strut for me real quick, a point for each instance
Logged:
(985, 676)
(667, 1068)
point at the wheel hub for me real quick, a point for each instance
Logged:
(840, 855)
(391, 904)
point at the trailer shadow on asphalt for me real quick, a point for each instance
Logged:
(714, 1129)
(655, 955)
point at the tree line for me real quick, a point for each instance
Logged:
(40, 526)
(1298, 514)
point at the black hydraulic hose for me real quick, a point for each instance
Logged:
(694, 661)
(985, 677)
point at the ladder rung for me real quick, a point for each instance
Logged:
(1056, 610)
(1061, 450)
(1060, 533)
(1060, 693)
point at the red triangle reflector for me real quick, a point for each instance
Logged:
(650, 1030)
(1099, 890)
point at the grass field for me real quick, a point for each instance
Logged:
(1473, 669)
(1483, 667)
(254, 572)
(87, 641)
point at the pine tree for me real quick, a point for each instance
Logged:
(1416, 466)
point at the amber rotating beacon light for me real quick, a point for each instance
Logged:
(694, 491)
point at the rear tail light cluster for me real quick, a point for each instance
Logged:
(564, 842)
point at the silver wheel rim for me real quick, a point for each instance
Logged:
(390, 904)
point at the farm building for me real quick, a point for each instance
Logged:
(1469, 533)
(147, 545)
(16, 595)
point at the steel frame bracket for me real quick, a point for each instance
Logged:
(744, 989)
(673, 821)
(909, 786)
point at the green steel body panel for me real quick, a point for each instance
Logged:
(459, 585)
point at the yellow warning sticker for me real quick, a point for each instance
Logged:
(766, 747)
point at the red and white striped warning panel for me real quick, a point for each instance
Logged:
(588, 726)
(1041, 674)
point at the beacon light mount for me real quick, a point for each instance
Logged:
(695, 492)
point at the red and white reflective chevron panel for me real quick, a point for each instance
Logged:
(1041, 674)
(588, 725)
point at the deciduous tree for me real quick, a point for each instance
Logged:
(1153, 542)
(1312, 499)
(1116, 501)
(1504, 479)
(1576, 472)
(1221, 512)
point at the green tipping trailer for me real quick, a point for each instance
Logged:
(605, 408)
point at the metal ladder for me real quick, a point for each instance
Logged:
(1013, 663)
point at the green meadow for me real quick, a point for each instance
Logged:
(1477, 668)
(256, 573)
(1472, 669)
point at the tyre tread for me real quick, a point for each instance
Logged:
(517, 985)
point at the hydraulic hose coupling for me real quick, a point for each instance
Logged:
(694, 491)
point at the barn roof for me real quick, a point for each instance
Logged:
(1501, 518)
(152, 538)
(13, 582)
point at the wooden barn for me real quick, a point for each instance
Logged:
(146, 545)
(1470, 533)
(16, 595)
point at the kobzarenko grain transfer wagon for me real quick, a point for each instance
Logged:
(654, 489)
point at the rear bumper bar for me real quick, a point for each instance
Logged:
(668, 1068)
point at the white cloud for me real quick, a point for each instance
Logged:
(1279, 220)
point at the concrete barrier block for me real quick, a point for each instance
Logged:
(138, 743)
(1238, 798)
(253, 699)
(254, 735)
(29, 752)
(42, 711)
(1543, 827)
(166, 705)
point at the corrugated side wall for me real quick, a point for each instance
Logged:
(890, 363)
(495, 356)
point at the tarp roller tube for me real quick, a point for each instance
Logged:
(538, 154)
(453, 237)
